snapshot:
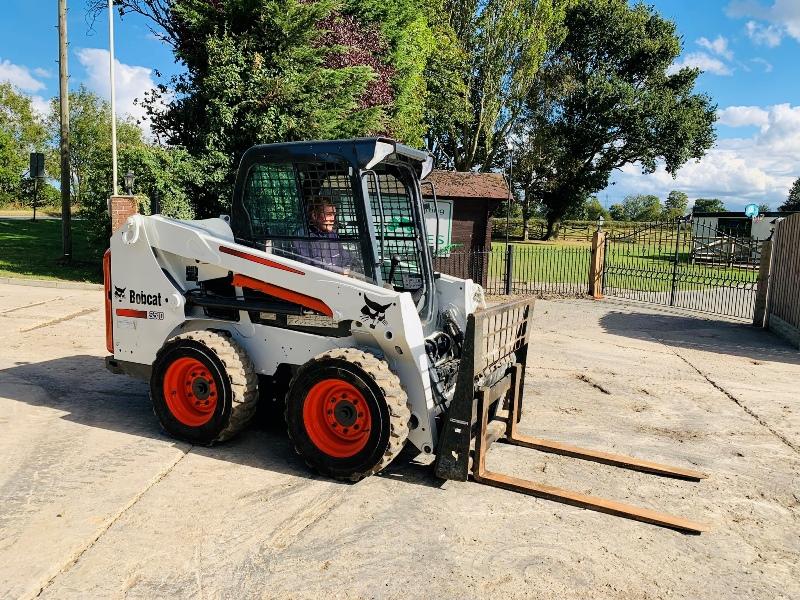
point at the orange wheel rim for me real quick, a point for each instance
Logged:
(337, 418)
(190, 391)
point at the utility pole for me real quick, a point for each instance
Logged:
(63, 90)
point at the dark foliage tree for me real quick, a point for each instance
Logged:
(793, 201)
(606, 97)
(260, 71)
(637, 207)
(675, 205)
(708, 205)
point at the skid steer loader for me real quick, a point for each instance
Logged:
(319, 292)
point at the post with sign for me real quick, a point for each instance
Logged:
(445, 226)
(36, 173)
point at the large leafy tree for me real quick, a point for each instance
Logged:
(21, 132)
(260, 71)
(637, 207)
(675, 205)
(89, 139)
(488, 54)
(607, 97)
(793, 201)
(162, 173)
(708, 205)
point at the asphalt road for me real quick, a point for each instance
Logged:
(95, 502)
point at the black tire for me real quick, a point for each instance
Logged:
(384, 397)
(232, 382)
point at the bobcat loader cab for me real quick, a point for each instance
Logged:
(319, 294)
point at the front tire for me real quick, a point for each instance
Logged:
(203, 387)
(347, 413)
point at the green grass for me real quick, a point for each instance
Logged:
(631, 266)
(32, 250)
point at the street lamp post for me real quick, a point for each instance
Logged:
(129, 178)
(510, 190)
(509, 250)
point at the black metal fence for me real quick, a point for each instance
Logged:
(691, 264)
(687, 264)
(535, 269)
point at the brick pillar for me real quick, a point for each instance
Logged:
(122, 207)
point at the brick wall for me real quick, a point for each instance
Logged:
(122, 207)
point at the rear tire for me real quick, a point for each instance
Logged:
(203, 387)
(347, 413)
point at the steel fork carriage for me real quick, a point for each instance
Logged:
(487, 407)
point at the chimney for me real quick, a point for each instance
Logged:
(122, 207)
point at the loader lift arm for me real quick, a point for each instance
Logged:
(487, 407)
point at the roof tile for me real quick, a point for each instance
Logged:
(453, 184)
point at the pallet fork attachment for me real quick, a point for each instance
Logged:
(486, 407)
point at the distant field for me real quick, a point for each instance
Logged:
(32, 250)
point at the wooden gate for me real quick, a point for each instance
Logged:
(783, 297)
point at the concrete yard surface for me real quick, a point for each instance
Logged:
(96, 502)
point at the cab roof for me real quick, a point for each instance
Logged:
(364, 153)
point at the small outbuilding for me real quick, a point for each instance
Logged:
(466, 202)
(731, 237)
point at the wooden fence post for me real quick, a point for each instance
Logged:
(596, 264)
(762, 286)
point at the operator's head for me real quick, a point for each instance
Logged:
(322, 215)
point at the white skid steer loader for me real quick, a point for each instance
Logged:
(319, 292)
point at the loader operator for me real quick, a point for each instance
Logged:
(322, 246)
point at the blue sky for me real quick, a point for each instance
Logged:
(749, 50)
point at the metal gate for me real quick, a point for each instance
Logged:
(687, 263)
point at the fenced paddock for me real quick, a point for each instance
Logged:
(535, 269)
(677, 263)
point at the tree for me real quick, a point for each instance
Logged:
(605, 98)
(708, 205)
(637, 207)
(793, 201)
(89, 139)
(486, 68)
(260, 71)
(21, 132)
(763, 208)
(675, 205)
(593, 210)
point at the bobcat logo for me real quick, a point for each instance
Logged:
(375, 312)
(119, 293)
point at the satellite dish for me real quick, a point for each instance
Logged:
(751, 210)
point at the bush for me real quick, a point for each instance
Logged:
(165, 173)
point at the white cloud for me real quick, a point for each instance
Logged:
(702, 61)
(764, 35)
(760, 168)
(40, 105)
(764, 63)
(19, 76)
(131, 82)
(743, 116)
(719, 46)
(783, 16)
